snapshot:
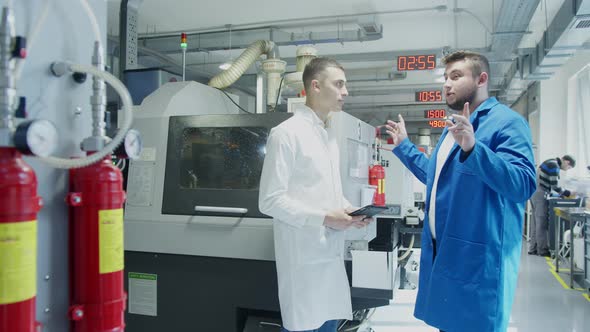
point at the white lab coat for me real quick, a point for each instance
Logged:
(300, 183)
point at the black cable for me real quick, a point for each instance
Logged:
(276, 102)
(279, 92)
(230, 98)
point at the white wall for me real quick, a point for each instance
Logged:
(553, 109)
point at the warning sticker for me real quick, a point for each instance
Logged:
(110, 240)
(143, 293)
(18, 261)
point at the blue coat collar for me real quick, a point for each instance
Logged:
(484, 107)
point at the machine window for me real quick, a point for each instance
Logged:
(221, 157)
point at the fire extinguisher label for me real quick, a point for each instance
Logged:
(110, 238)
(18, 261)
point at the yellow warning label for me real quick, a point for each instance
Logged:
(18, 261)
(110, 240)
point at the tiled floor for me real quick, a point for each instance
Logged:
(542, 304)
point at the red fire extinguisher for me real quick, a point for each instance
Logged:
(18, 242)
(377, 172)
(97, 296)
(377, 178)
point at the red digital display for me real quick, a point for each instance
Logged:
(416, 62)
(437, 123)
(428, 96)
(435, 114)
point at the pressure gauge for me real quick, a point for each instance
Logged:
(132, 145)
(38, 137)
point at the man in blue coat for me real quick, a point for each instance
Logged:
(478, 179)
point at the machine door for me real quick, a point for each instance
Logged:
(214, 162)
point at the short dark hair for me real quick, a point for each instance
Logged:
(479, 63)
(570, 159)
(315, 67)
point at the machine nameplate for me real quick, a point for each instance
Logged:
(141, 178)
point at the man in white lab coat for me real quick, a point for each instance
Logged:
(300, 188)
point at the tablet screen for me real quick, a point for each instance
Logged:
(369, 210)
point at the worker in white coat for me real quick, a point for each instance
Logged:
(300, 188)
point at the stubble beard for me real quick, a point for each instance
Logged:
(460, 103)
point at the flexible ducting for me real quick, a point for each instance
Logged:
(242, 63)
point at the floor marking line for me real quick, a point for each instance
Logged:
(565, 286)
(560, 280)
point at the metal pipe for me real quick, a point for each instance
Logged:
(273, 53)
(296, 20)
(7, 78)
(98, 99)
(183, 63)
(218, 41)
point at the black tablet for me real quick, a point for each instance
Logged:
(369, 210)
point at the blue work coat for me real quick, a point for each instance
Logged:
(469, 286)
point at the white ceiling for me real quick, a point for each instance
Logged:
(407, 26)
(413, 30)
